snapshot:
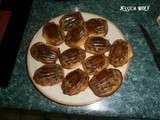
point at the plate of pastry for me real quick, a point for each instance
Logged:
(78, 58)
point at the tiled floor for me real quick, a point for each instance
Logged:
(7, 114)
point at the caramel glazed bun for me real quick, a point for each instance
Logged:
(97, 45)
(53, 34)
(120, 53)
(106, 82)
(44, 53)
(72, 57)
(71, 20)
(95, 64)
(76, 36)
(49, 75)
(75, 82)
(97, 27)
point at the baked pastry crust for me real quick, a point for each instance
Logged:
(71, 20)
(76, 36)
(53, 34)
(44, 53)
(97, 26)
(97, 45)
(72, 57)
(49, 75)
(120, 53)
(106, 82)
(75, 82)
(95, 64)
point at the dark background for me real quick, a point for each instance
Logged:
(13, 35)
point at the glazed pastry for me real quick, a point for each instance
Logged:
(71, 20)
(97, 26)
(75, 82)
(97, 45)
(53, 34)
(49, 75)
(44, 53)
(76, 36)
(120, 53)
(106, 82)
(95, 64)
(72, 57)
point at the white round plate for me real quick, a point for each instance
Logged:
(55, 92)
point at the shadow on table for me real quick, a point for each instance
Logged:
(18, 114)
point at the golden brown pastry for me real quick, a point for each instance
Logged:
(106, 82)
(120, 53)
(76, 36)
(49, 75)
(71, 20)
(97, 26)
(72, 57)
(75, 82)
(53, 34)
(95, 64)
(44, 53)
(97, 45)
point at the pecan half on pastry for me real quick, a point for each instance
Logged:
(44, 53)
(53, 34)
(72, 57)
(97, 45)
(76, 36)
(95, 64)
(71, 20)
(49, 75)
(97, 26)
(120, 53)
(75, 82)
(106, 82)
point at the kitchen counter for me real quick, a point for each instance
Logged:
(139, 94)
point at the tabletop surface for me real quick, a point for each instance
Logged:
(139, 95)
